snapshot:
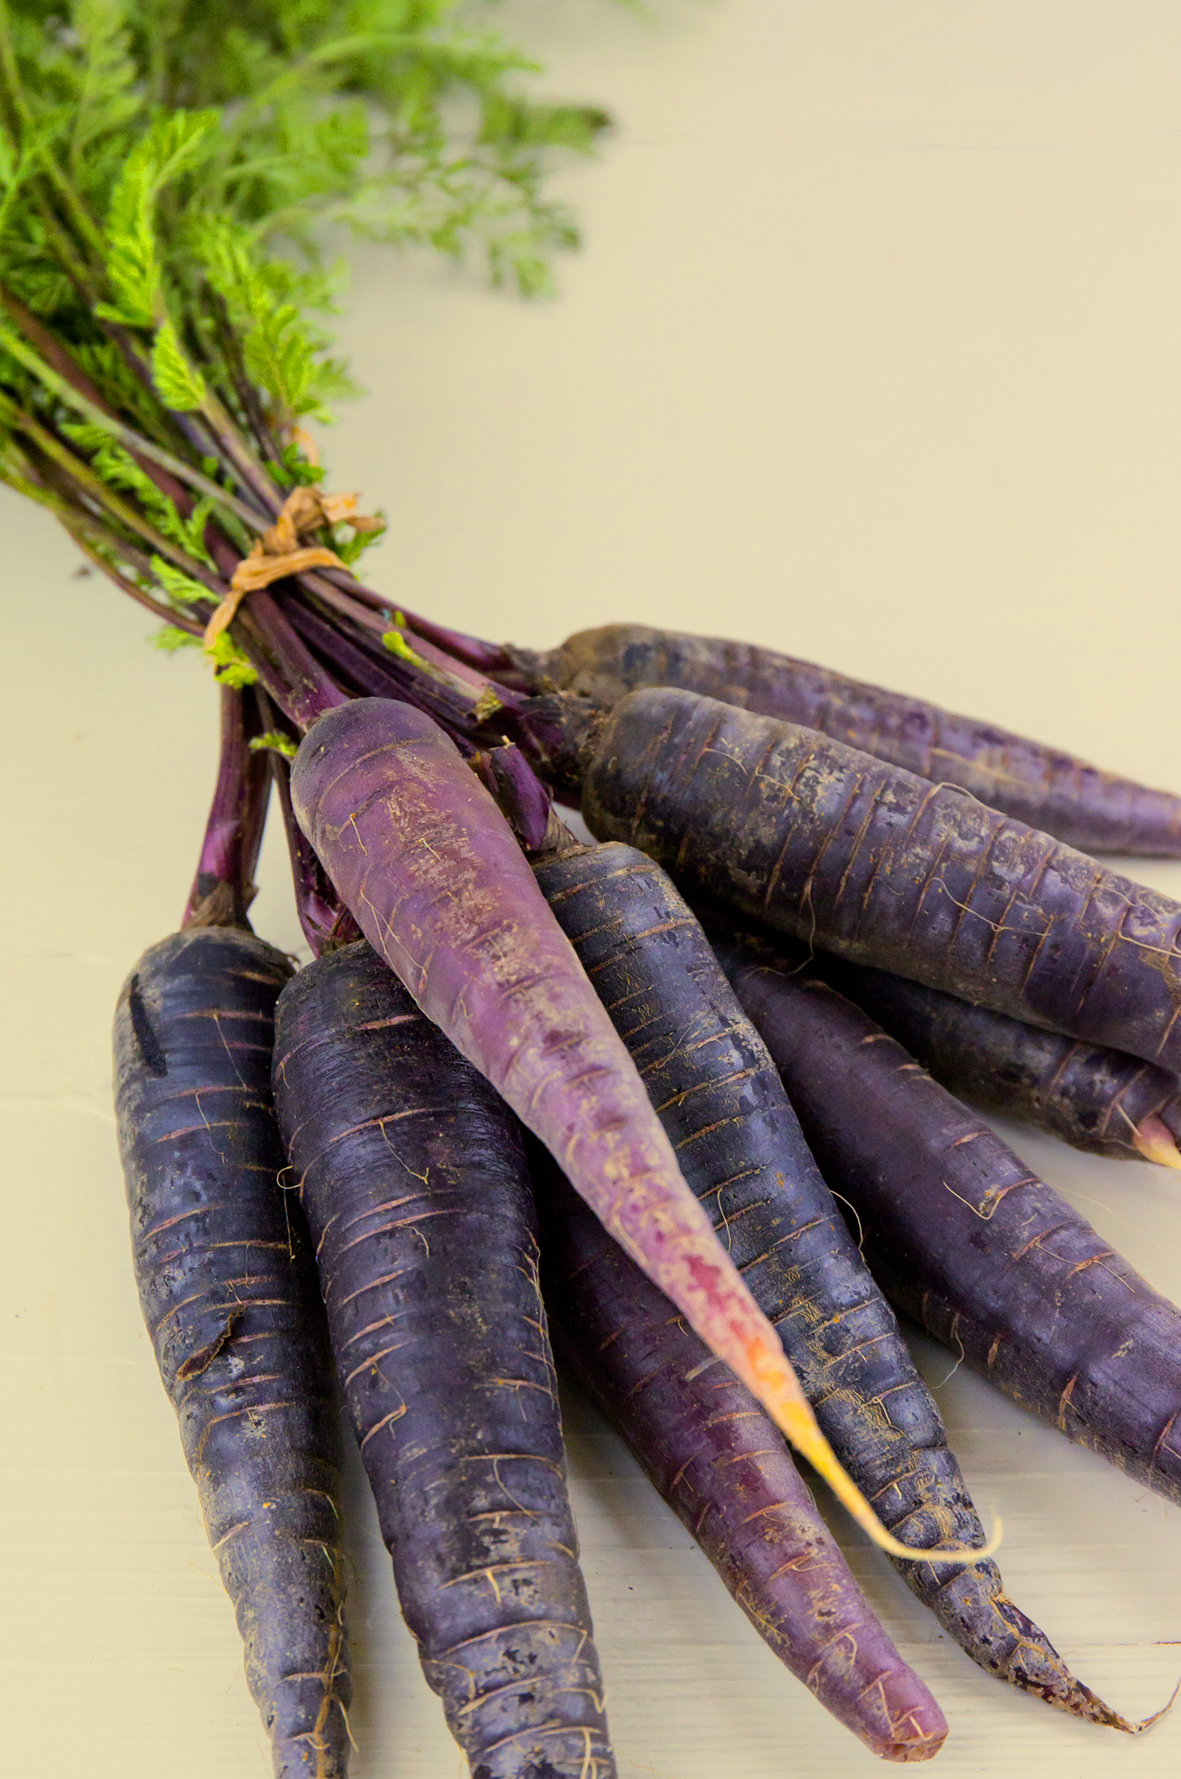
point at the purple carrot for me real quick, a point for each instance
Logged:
(1093, 810)
(962, 1236)
(412, 1173)
(433, 875)
(229, 1297)
(226, 1280)
(721, 1465)
(1100, 1100)
(824, 843)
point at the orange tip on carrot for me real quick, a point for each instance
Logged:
(778, 1389)
(1153, 1139)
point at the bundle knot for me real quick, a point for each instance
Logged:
(280, 550)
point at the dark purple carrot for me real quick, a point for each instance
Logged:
(229, 1296)
(1093, 810)
(431, 871)
(1100, 1100)
(412, 1174)
(726, 1472)
(225, 1276)
(744, 1157)
(824, 843)
(965, 1239)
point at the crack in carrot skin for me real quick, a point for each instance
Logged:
(229, 1296)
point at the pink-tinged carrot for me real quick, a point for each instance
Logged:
(743, 1155)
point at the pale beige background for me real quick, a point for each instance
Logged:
(874, 353)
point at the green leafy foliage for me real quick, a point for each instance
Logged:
(133, 257)
(169, 639)
(118, 469)
(104, 365)
(267, 301)
(395, 641)
(294, 470)
(106, 77)
(167, 172)
(351, 545)
(275, 742)
(231, 665)
(181, 387)
(179, 587)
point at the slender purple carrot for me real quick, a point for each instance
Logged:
(785, 826)
(412, 1173)
(431, 871)
(723, 1468)
(1093, 810)
(965, 1239)
(230, 1301)
(1100, 1100)
(225, 1276)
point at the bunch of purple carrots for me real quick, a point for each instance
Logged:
(617, 1096)
(623, 1096)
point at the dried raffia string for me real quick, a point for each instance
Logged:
(280, 551)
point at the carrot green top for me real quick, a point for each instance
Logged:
(165, 167)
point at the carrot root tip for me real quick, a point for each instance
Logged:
(1153, 1139)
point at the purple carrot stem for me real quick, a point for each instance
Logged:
(254, 482)
(348, 583)
(452, 692)
(325, 921)
(179, 620)
(199, 431)
(268, 445)
(451, 699)
(470, 651)
(223, 887)
(56, 356)
(487, 657)
(525, 802)
(289, 672)
(457, 669)
(364, 671)
(326, 586)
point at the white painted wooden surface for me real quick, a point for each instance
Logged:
(873, 354)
